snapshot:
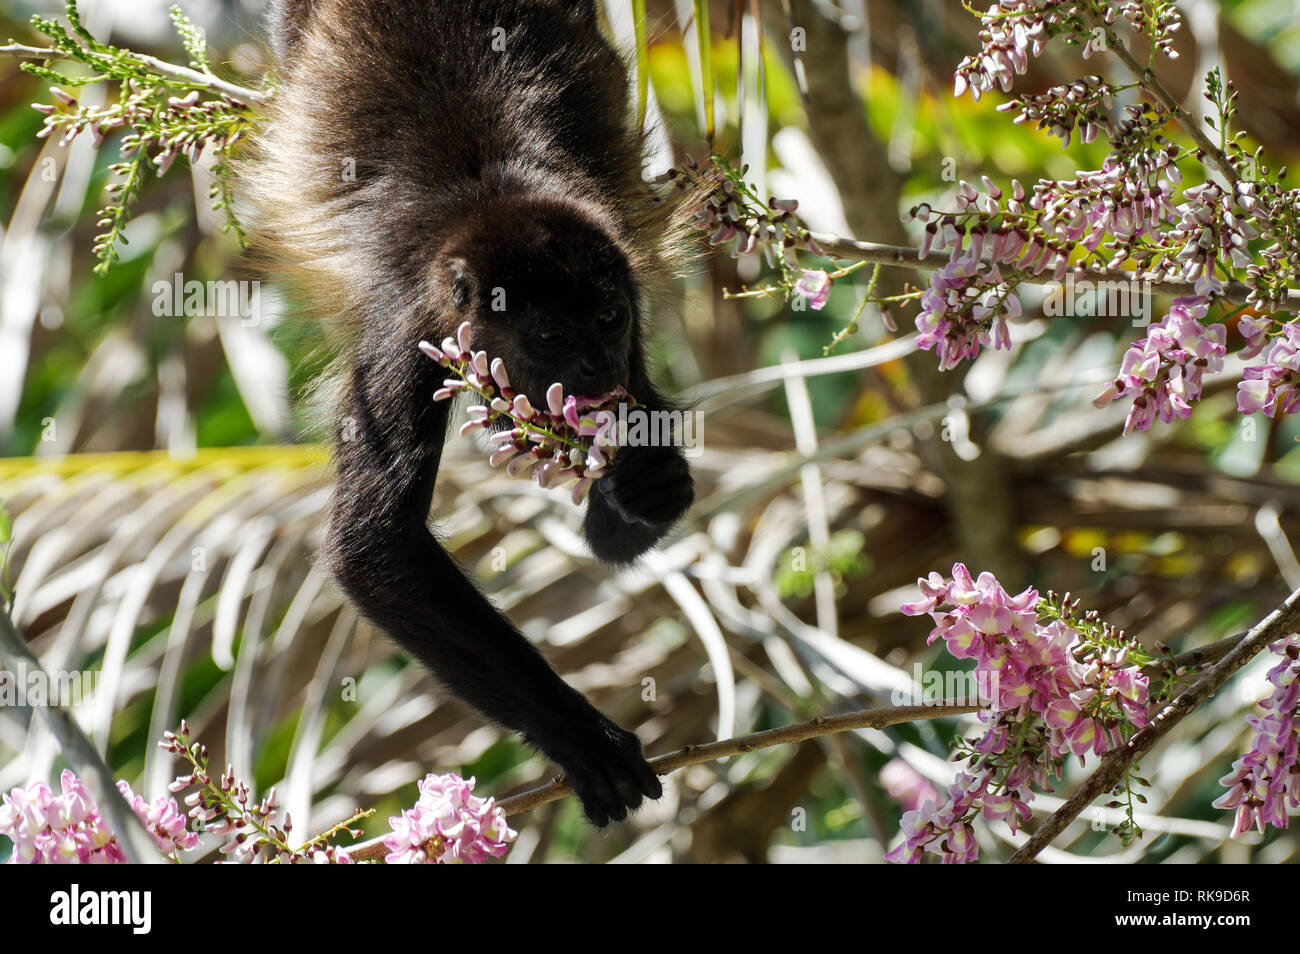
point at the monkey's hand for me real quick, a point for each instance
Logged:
(629, 510)
(605, 766)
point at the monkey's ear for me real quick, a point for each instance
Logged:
(460, 282)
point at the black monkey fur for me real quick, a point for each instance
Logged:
(424, 158)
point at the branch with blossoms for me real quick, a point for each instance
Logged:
(574, 440)
(1125, 217)
(687, 756)
(1214, 244)
(253, 830)
(1062, 683)
(448, 823)
(1264, 786)
(166, 111)
(1169, 668)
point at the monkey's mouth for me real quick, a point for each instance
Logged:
(618, 391)
(561, 404)
(585, 395)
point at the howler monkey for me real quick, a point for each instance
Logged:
(428, 162)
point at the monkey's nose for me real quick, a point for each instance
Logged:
(591, 381)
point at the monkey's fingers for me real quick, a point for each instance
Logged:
(653, 486)
(611, 776)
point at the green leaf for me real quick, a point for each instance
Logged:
(703, 34)
(6, 526)
(642, 62)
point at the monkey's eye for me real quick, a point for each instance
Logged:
(549, 336)
(610, 316)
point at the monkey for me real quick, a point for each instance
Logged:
(430, 162)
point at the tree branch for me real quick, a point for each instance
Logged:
(1200, 656)
(904, 256)
(1280, 623)
(558, 788)
(171, 70)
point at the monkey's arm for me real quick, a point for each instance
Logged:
(382, 553)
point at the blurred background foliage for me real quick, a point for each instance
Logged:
(167, 495)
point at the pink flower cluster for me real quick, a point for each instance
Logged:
(1159, 21)
(1274, 385)
(569, 441)
(965, 309)
(213, 122)
(67, 828)
(1011, 32)
(448, 825)
(1126, 199)
(1209, 230)
(163, 819)
(1082, 105)
(1264, 784)
(1034, 667)
(947, 829)
(968, 302)
(1164, 372)
(1051, 696)
(733, 213)
(57, 829)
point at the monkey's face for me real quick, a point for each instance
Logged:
(555, 299)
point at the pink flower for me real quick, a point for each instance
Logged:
(1272, 385)
(906, 785)
(163, 819)
(966, 308)
(1255, 330)
(1010, 807)
(1164, 371)
(815, 285)
(57, 829)
(1264, 784)
(448, 825)
(918, 830)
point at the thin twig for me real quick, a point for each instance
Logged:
(1147, 79)
(1278, 624)
(558, 788)
(1192, 658)
(904, 256)
(182, 73)
(1146, 76)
